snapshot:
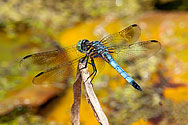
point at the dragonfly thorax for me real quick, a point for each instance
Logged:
(99, 47)
(83, 46)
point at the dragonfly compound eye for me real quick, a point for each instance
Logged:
(82, 45)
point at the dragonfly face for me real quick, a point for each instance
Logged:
(83, 46)
(123, 45)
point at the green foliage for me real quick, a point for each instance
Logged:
(21, 116)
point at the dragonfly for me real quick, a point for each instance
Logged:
(124, 45)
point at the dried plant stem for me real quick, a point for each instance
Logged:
(91, 98)
(75, 109)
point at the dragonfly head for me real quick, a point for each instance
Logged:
(83, 46)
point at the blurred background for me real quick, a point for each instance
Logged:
(33, 26)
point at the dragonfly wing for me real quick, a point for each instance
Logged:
(47, 59)
(136, 52)
(127, 36)
(57, 74)
(99, 64)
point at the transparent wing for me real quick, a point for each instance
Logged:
(136, 52)
(127, 36)
(57, 74)
(44, 60)
(99, 64)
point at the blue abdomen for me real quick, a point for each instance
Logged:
(112, 62)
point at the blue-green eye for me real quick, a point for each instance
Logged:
(79, 48)
(82, 45)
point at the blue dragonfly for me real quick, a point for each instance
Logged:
(123, 45)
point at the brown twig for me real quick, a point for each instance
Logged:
(75, 109)
(91, 98)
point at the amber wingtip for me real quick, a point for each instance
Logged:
(154, 41)
(134, 25)
(27, 56)
(39, 74)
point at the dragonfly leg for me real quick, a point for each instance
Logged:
(94, 68)
(83, 59)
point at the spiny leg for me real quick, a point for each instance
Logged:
(83, 59)
(87, 58)
(94, 69)
(92, 63)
